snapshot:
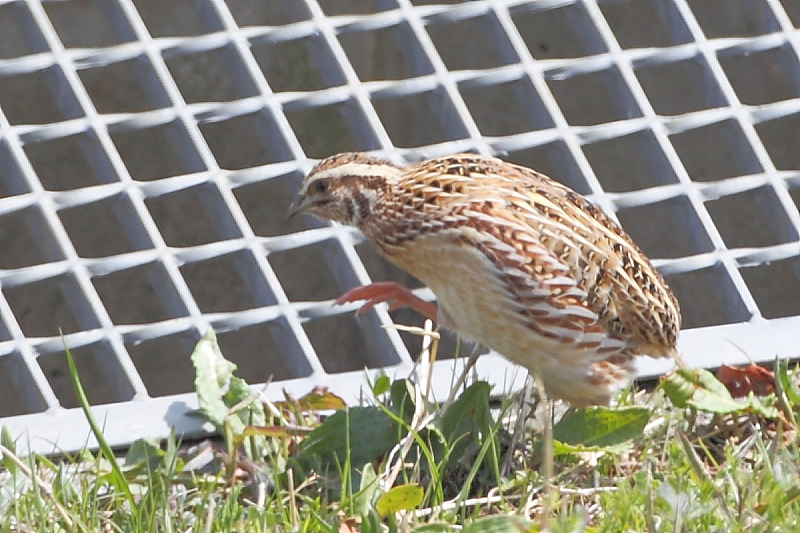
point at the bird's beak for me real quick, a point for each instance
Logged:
(297, 206)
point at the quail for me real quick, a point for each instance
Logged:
(518, 262)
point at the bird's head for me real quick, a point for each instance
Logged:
(345, 188)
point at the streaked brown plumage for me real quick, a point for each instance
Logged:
(517, 261)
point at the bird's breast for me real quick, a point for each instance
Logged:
(472, 292)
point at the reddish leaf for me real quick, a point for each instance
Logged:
(742, 380)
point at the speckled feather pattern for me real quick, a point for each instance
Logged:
(517, 261)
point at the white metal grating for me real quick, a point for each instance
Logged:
(149, 150)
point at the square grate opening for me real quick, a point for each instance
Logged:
(149, 151)
(592, 98)
(665, 26)
(329, 272)
(331, 127)
(777, 135)
(419, 119)
(472, 43)
(673, 230)
(716, 151)
(18, 230)
(20, 392)
(50, 306)
(557, 32)
(396, 54)
(39, 97)
(505, 108)
(110, 226)
(630, 162)
(156, 298)
(111, 385)
(690, 77)
(769, 284)
(301, 64)
(223, 137)
(762, 76)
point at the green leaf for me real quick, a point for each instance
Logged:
(499, 524)
(143, 453)
(761, 406)
(219, 391)
(467, 418)
(381, 385)
(368, 431)
(367, 490)
(402, 394)
(601, 427)
(786, 390)
(249, 413)
(400, 498)
(702, 391)
(212, 379)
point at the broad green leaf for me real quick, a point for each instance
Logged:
(212, 379)
(499, 524)
(601, 426)
(464, 436)
(467, 416)
(400, 498)
(367, 431)
(701, 390)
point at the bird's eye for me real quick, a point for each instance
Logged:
(321, 186)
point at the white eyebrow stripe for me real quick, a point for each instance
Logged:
(356, 169)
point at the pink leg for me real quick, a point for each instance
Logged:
(388, 291)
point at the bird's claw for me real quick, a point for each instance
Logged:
(390, 292)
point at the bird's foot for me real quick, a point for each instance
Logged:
(388, 291)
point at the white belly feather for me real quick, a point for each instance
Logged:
(471, 291)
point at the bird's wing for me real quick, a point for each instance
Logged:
(630, 297)
(541, 285)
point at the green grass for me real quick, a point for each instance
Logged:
(402, 464)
